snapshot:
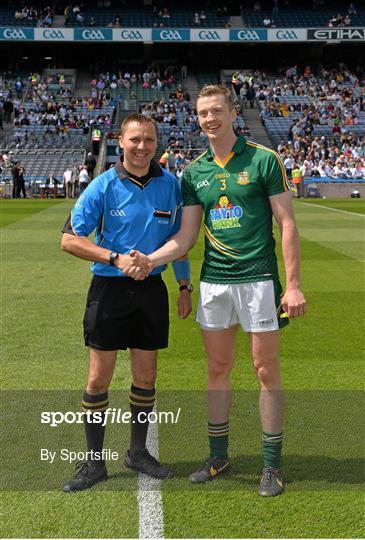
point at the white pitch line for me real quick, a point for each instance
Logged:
(151, 522)
(334, 209)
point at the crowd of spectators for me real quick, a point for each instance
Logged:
(154, 76)
(199, 18)
(332, 101)
(325, 156)
(339, 21)
(160, 16)
(51, 113)
(305, 116)
(42, 116)
(78, 10)
(39, 17)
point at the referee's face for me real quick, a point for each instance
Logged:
(215, 117)
(139, 142)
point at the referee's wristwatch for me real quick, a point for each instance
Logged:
(113, 255)
(189, 288)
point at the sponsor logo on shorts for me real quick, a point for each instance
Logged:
(203, 183)
(266, 321)
(243, 178)
(225, 215)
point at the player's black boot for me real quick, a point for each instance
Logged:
(271, 482)
(210, 470)
(143, 462)
(87, 474)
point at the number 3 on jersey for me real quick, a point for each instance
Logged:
(223, 184)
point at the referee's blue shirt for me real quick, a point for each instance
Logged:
(126, 214)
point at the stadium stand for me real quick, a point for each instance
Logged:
(48, 130)
(41, 167)
(52, 128)
(330, 103)
(147, 17)
(26, 16)
(302, 18)
(317, 123)
(146, 84)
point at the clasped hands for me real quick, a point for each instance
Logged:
(138, 266)
(135, 265)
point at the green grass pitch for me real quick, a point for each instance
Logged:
(42, 301)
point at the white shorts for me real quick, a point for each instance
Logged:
(252, 305)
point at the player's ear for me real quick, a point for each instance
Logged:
(120, 141)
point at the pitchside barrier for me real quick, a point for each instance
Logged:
(183, 35)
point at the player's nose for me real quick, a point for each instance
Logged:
(210, 115)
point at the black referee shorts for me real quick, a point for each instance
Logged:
(123, 313)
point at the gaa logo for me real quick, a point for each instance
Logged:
(14, 33)
(170, 34)
(117, 213)
(248, 35)
(209, 35)
(93, 34)
(203, 183)
(53, 34)
(131, 34)
(286, 34)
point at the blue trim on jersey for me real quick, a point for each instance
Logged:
(126, 216)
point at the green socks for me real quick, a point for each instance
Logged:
(218, 439)
(272, 444)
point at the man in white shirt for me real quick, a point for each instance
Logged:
(69, 180)
(288, 164)
(84, 178)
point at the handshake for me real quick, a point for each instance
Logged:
(135, 265)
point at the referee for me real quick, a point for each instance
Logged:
(134, 205)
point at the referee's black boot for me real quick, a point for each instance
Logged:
(87, 474)
(143, 462)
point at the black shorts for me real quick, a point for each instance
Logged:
(123, 313)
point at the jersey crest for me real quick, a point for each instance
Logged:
(243, 178)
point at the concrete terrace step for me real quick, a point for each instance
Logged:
(257, 130)
(236, 21)
(59, 21)
(5, 132)
(82, 87)
(191, 85)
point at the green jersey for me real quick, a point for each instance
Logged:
(239, 241)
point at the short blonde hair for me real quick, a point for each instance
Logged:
(137, 118)
(210, 90)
